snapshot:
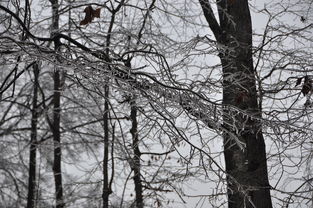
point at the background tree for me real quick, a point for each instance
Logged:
(32, 179)
(55, 124)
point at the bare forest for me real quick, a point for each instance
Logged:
(156, 103)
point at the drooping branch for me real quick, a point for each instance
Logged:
(194, 103)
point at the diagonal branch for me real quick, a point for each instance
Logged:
(211, 19)
(56, 37)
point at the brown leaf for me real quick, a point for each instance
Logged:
(96, 13)
(307, 85)
(90, 15)
(299, 81)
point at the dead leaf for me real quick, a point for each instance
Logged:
(299, 80)
(307, 85)
(90, 15)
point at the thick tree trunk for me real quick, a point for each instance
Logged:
(33, 144)
(246, 168)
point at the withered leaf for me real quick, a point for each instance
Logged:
(299, 81)
(307, 85)
(90, 15)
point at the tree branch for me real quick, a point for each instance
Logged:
(57, 36)
(211, 19)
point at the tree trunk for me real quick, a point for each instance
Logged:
(137, 153)
(136, 159)
(57, 170)
(246, 168)
(33, 144)
(106, 189)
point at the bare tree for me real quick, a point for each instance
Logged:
(31, 199)
(246, 167)
(55, 125)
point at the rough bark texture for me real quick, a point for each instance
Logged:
(247, 169)
(33, 144)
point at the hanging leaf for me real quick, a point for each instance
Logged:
(307, 85)
(299, 80)
(90, 15)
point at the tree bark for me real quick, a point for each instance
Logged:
(246, 169)
(137, 154)
(33, 144)
(106, 189)
(136, 159)
(57, 169)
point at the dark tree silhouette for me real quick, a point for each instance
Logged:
(246, 168)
